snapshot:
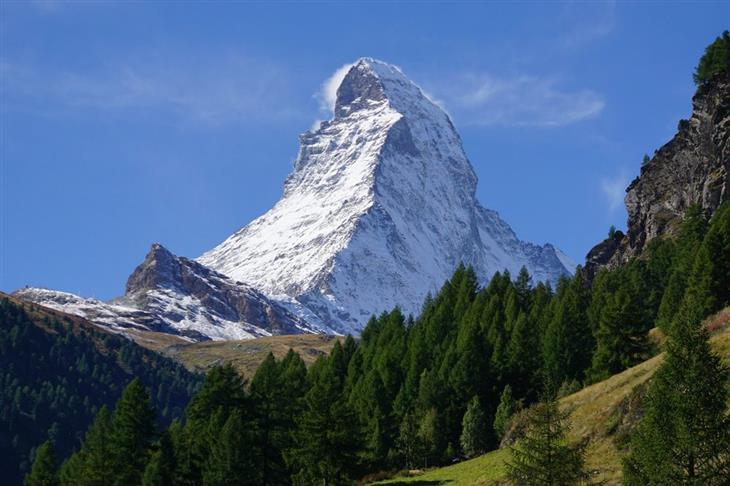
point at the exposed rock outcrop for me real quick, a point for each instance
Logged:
(692, 168)
(172, 294)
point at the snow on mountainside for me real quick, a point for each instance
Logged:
(379, 210)
(175, 295)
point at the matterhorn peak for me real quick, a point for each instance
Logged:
(369, 82)
(379, 210)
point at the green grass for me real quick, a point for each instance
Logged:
(483, 470)
(593, 418)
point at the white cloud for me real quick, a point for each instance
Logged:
(484, 99)
(328, 91)
(614, 189)
(222, 90)
(585, 22)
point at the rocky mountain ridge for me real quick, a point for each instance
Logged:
(692, 168)
(172, 294)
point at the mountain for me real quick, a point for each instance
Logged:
(57, 370)
(378, 211)
(172, 294)
(692, 168)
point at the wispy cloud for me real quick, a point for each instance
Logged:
(230, 89)
(524, 100)
(614, 189)
(584, 22)
(327, 95)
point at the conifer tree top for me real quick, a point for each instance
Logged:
(716, 60)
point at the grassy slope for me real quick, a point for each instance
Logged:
(248, 354)
(592, 415)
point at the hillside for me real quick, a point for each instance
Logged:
(246, 355)
(57, 370)
(600, 414)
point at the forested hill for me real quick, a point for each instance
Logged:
(417, 392)
(57, 370)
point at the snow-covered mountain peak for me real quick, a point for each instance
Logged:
(379, 210)
(369, 82)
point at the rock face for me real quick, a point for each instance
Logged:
(379, 210)
(692, 168)
(172, 294)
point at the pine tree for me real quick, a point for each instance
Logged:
(621, 336)
(230, 462)
(327, 438)
(222, 393)
(409, 442)
(93, 464)
(160, 469)
(71, 470)
(224, 388)
(542, 457)
(43, 472)
(715, 60)
(506, 408)
(684, 437)
(474, 434)
(523, 356)
(267, 389)
(568, 342)
(715, 252)
(132, 434)
(692, 232)
(429, 435)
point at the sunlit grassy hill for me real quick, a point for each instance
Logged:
(247, 355)
(600, 414)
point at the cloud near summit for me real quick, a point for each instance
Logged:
(523, 100)
(327, 95)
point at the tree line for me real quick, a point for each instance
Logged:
(56, 374)
(423, 392)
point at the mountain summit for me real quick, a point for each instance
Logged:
(379, 210)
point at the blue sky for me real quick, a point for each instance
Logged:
(123, 124)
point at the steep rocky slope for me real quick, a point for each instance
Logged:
(692, 168)
(171, 294)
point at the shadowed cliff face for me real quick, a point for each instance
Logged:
(163, 280)
(692, 168)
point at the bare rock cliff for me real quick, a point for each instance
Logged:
(692, 168)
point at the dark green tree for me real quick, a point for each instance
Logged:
(429, 434)
(716, 60)
(691, 234)
(684, 437)
(132, 434)
(409, 441)
(44, 471)
(474, 429)
(93, 464)
(621, 336)
(222, 393)
(231, 462)
(327, 441)
(712, 262)
(160, 470)
(568, 341)
(542, 457)
(506, 408)
(272, 436)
